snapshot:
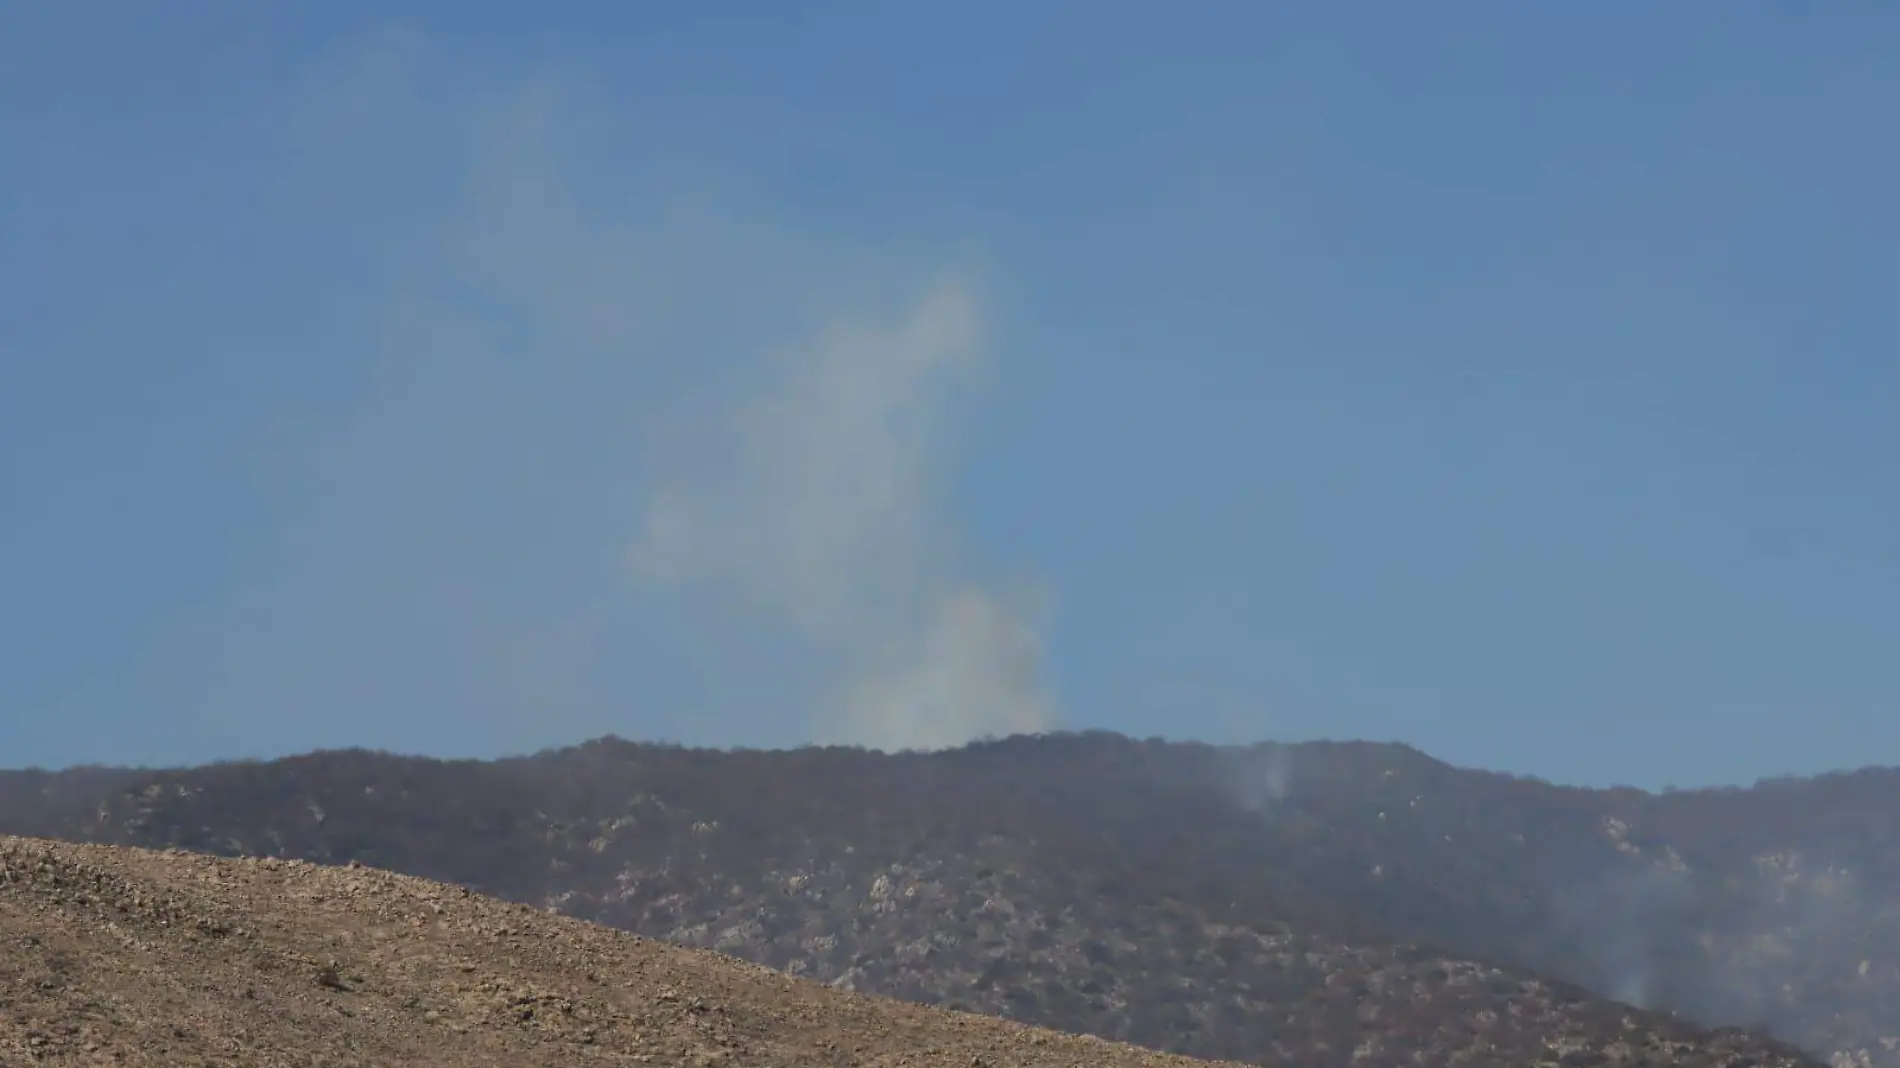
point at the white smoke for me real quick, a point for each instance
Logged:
(817, 499)
(521, 289)
(1262, 776)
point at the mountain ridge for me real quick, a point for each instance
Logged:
(1167, 893)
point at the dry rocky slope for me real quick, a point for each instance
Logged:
(111, 955)
(1329, 905)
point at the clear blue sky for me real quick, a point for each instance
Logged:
(1514, 380)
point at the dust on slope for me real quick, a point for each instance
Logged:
(113, 955)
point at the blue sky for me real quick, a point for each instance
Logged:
(1509, 380)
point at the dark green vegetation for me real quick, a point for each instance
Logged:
(1318, 904)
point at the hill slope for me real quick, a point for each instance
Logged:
(1331, 904)
(123, 956)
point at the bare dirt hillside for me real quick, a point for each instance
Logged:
(124, 956)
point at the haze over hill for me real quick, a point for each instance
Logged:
(1326, 903)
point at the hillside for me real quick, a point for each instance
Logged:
(120, 956)
(1336, 904)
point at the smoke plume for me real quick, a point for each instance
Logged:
(516, 332)
(817, 499)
